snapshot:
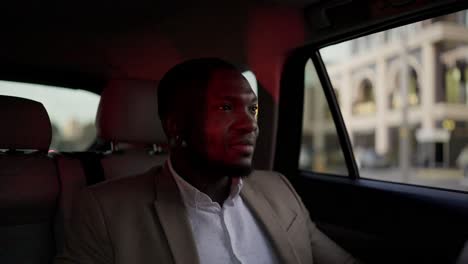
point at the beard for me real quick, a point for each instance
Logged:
(200, 161)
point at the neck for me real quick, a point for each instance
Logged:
(213, 183)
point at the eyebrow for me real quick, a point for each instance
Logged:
(235, 98)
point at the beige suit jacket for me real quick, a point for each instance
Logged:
(142, 219)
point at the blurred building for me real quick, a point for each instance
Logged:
(367, 84)
(72, 130)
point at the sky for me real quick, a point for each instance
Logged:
(336, 53)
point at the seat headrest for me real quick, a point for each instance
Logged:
(25, 124)
(128, 113)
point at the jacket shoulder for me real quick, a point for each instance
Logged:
(277, 190)
(139, 187)
(270, 181)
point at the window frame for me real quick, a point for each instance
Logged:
(289, 134)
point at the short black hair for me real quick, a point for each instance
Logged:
(179, 83)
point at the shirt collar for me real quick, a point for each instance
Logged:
(195, 198)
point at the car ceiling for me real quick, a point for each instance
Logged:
(98, 40)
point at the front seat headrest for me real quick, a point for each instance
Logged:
(25, 124)
(128, 113)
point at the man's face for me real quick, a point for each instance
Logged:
(225, 128)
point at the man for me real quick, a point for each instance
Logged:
(206, 204)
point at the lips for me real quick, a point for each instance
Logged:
(247, 141)
(245, 145)
(248, 149)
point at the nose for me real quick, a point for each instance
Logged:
(246, 122)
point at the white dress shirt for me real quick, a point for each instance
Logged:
(227, 234)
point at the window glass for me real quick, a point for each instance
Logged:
(250, 76)
(71, 112)
(404, 100)
(320, 149)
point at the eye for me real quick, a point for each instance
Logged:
(225, 107)
(254, 109)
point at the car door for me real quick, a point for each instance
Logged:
(399, 96)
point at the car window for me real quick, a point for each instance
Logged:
(72, 112)
(320, 148)
(404, 99)
(250, 76)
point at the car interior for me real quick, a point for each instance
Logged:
(115, 52)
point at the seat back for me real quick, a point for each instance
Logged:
(73, 178)
(29, 185)
(127, 117)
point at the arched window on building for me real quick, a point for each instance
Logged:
(455, 84)
(364, 102)
(413, 90)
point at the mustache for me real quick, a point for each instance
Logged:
(244, 140)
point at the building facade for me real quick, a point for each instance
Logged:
(369, 86)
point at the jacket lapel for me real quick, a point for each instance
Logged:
(173, 218)
(266, 216)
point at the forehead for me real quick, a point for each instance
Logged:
(228, 83)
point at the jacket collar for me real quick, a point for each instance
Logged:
(193, 197)
(173, 218)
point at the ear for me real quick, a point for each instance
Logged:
(171, 127)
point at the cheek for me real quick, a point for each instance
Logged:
(215, 138)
